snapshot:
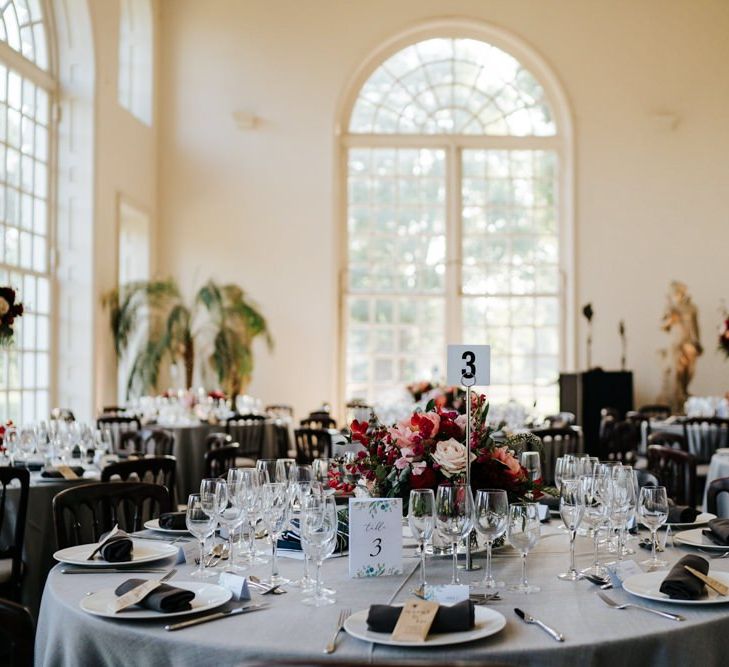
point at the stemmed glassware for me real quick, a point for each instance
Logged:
(653, 513)
(27, 443)
(249, 491)
(298, 493)
(283, 469)
(489, 518)
(571, 509)
(454, 517)
(523, 531)
(232, 515)
(532, 463)
(596, 492)
(421, 519)
(201, 525)
(267, 468)
(275, 506)
(622, 503)
(318, 535)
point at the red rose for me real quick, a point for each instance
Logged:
(425, 480)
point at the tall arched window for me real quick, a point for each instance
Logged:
(136, 46)
(453, 159)
(26, 89)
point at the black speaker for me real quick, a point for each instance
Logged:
(585, 394)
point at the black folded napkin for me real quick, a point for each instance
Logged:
(718, 532)
(456, 618)
(53, 473)
(173, 520)
(682, 514)
(680, 584)
(165, 599)
(118, 549)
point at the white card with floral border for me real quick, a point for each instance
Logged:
(375, 537)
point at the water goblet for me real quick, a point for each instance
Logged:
(421, 519)
(201, 525)
(489, 518)
(596, 490)
(318, 532)
(454, 517)
(523, 530)
(571, 509)
(653, 513)
(274, 507)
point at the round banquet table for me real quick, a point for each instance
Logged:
(595, 634)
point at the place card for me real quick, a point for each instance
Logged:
(66, 472)
(447, 594)
(236, 584)
(135, 596)
(415, 620)
(375, 537)
(620, 571)
(188, 552)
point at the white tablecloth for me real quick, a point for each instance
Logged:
(718, 468)
(595, 634)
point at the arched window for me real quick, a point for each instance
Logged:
(454, 164)
(136, 45)
(26, 137)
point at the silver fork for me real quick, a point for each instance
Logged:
(611, 603)
(343, 616)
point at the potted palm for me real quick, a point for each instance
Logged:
(220, 317)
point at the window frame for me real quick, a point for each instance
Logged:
(561, 143)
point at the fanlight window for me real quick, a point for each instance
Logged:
(452, 86)
(454, 238)
(22, 29)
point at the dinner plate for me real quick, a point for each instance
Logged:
(487, 622)
(207, 597)
(153, 524)
(144, 551)
(696, 538)
(647, 584)
(701, 520)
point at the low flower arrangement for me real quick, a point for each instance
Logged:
(453, 398)
(429, 448)
(9, 311)
(724, 335)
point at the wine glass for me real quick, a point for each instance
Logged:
(653, 513)
(27, 443)
(318, 532)
(298, 492)
(10, 440)
(249, 491)
(421, 519)
(300, 472)
(275, 507)
(267, 467)
(596, 490)
(489, 518)
(232, 515)
(454, 517)
(523, 530)
(532, 463)
(571, 509)
(201, 525)
(283, 470)
(622, 503)
(214, 495)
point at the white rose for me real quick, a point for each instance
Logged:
(4, 306)
(450, 455)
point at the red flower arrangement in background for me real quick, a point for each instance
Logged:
(428, 449)
(9, 310)
(724, 335)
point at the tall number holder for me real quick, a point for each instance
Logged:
(468, 380)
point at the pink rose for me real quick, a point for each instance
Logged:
(503, 455)
(419, 467)
(450, 455)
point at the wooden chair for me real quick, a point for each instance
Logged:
(312, 444)
(13, 530)
(619, 441)
(655, 411)
(150, 469)
(280, 410)
(62, 415)
(112, 410)
(715, 488)
(667, 439)
(158, 442)
(706, 434)
(282, 440)
(676, 470)
(215, 440)
(82, 514)
(249, 432)
(17, 631)
(118, 425)
(218, 461)
(556, 442)
(318, 421)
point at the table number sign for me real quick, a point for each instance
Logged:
(469, 365)
(375, 537)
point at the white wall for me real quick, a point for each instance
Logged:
(257, 207)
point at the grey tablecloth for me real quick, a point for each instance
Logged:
(595, 634)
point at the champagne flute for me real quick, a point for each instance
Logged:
(421, 519)
(523, 531)
(571, 509)
(232, 516)
(622, 503)
(653, 513)
(201, 525)
(318, 532)
(249, 490)
(596, 489)
(275, 507)
(454, 517)
(489, 518)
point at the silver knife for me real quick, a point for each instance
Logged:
(530, 619)
(215, 616)
(110, 570)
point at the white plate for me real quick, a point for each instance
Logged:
(701, 520)
(696, 538)
(154, 525)
(488, 622)
(647, 585)
(207, 596)
(144, 551)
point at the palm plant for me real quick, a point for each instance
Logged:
(170, 329)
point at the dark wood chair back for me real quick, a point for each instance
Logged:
(282, 440)
(676, 470)
(150, 469)
(12, 527)
(112, 410)
(17, 631)
(83, 513)
(312, 444)
(655, 411)
(668, 439)
(318, 421)
(619, 441)
(158, 442)
(249, 432)
(567, 437)
(715, 488)
(280, 410)
(118, 425)
(705, 435)
(218, 461)
(560, 420)
(215, 440)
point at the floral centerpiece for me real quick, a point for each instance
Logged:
(429, 448)
(450, 397)
(724, 335)
(9, 310)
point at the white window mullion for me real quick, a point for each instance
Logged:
(453, 245)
